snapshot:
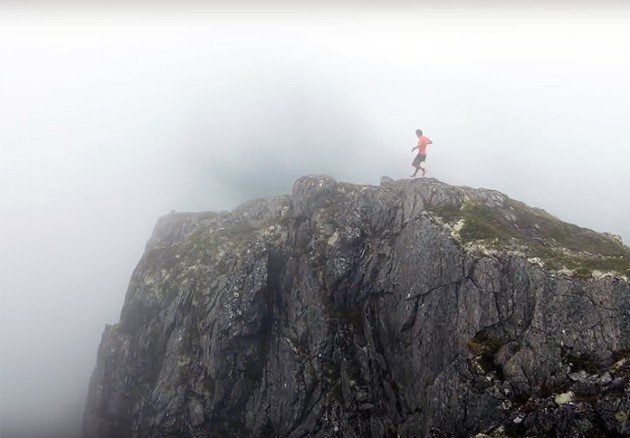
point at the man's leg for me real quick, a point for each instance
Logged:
(416, 164)
(422, 159)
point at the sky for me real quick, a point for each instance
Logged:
(112, 115)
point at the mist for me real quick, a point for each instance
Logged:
(111, 117)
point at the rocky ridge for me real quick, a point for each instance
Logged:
(413, 308)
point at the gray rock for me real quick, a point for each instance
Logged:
(408, 309)
(385, 180)
(580, 376)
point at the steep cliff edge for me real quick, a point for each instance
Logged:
(413, 308)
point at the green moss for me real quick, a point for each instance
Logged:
(536, 234)
(583, 362)
(160, 258)
(486, 348)
(483, 343)
(523, 401)
(210, 243)
(215, 245)
(481, 222)
(215, 241)
(583, 272)
(334, 394)
(300, 348)
(311, 373)
(448, 213)
(332, 379)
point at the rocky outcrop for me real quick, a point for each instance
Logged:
(409, 309)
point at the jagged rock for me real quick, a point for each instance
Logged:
(579, 376)
(408, 309)
(386, 180)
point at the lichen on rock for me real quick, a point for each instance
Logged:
(413, 308)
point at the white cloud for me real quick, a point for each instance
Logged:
(109, 119)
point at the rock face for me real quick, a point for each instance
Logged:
(408, 309)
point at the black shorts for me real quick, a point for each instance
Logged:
(419, 159)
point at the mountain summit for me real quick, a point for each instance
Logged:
(410, 309)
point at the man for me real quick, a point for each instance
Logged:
(422, 152)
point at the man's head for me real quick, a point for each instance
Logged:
(418, 132)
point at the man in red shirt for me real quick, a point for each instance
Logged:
(422, 152)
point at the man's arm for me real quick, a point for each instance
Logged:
(415, 147)
(429, 141)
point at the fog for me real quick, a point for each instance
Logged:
(111, 117)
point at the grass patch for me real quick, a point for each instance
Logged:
(536, 234)
(332, 376)
(486, 348)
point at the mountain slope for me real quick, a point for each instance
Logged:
(413, 308)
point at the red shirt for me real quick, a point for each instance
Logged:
(422, 144)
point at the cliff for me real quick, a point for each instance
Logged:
(409, 309)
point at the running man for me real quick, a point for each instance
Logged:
(422, 152)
